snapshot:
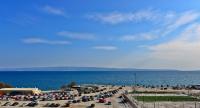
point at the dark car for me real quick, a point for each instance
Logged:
(6, 104)
(47, 105)
(54, 105)
(32, 104)
(74, 101)
(92, 105)
(85, 99)
(15, 104)
(109, 103)
(78, 101)
(66, 105)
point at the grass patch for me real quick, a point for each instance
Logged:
(165, 98)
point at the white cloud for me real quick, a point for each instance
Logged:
(119, 17)
(180, 53)
(44, 41)
(180, 20)
(171, 22)
(107, 48)
(53, 10)
(185, 18)
(138, 37)
(165, 22)
(189, 39)
(77, 35)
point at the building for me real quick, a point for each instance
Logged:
(86, 88)
(197, 87)
(20, 91)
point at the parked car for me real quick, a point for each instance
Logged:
(109, 103)
(102, 100)
(6, 104)
(54, 105)
(47, 105)
(92, 105)
(32, 104)
(23, 105)
(15, 104)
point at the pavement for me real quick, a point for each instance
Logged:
(116, 103)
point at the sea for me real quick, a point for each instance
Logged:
(50, 80)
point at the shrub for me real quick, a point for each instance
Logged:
(4, 85)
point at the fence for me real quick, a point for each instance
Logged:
(169, 105)
(130, 101)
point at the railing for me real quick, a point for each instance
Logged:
(130, 101)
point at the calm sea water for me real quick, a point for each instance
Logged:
(53, 80)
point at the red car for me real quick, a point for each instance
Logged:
(101, 100)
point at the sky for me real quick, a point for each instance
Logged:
(153, 34)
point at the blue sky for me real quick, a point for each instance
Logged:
(100, 33)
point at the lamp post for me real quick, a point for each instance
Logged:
(135, 79)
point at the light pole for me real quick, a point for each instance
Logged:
(134, 87)
(135, 79)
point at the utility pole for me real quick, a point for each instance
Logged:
(135, 79)
(135, 83)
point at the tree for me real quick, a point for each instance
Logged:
(64, 87)
(4, 85)
(70, 85)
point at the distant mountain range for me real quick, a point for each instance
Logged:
(79, 69)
